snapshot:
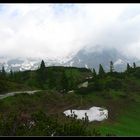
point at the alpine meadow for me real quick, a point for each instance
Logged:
(69, 69)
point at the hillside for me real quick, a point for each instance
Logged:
(41, 114)
(54, 77)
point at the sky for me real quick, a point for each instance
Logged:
(60, 30)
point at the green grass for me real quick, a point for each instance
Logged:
(123, 113)
(126, 124)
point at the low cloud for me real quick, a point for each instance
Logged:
(57, 30)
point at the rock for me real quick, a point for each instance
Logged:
(85, 84)
(71, 91)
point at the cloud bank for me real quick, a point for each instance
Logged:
(58, 30)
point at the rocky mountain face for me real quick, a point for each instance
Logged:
(93, 59)
(83, 58)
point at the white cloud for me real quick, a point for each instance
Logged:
(51, 30)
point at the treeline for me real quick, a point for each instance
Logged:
(102, 81)
(102, 72)
(55, 77)
(58, 77)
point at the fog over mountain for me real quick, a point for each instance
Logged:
(60, 33)
(83, 58)
(92, 59)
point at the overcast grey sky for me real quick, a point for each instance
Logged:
(53, 30)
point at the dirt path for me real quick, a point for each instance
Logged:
(17, 92)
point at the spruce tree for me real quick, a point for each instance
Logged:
(111, 66)
(128, 67)
(101, 70)
(134, 65)
(3, 72)
(42, 75)
(42, 65)
(11, 74)
(94, 72)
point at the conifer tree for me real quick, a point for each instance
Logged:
(3, 73)
(101, 70)
(3, 70)
(42, 65)
(11, 74)
(134, 65)
(128, 67)
(42, 74)
(94, 72)
(111, 66)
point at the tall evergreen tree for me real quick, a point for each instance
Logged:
(65, 83)
(3, 73)
(42, 74)
(42, 65)
(111, 66)
(128, 67)
(94, 72)
(3, 70)
(101, 70)
(11, 74)
(134, 65)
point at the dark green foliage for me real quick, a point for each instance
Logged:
(42, 74)
(65, 81)
(3, 74)
(43, 125)
(52, 79)
(94, 73)
(98, 86)
(113, 83)
(128, 67)
(55, 77)
(134, 65)
(8, 124)
(136, 73)
(68, 78)
(3, 86)
(11, 74)
(42, 65)
(111, 66)
(101, 71)
(3, 71)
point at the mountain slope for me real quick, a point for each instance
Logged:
(83, 58)
(93, 59)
